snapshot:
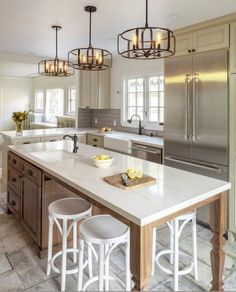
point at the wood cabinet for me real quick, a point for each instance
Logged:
(24, 194)
(30, 204)
(95, 140)
(95, 89)
(203, 40)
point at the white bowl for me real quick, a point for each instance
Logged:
(103, 163)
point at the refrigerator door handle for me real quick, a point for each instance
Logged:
(187, 80)
(195, 82)
(211, 168)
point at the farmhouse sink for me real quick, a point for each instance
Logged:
(53, 156)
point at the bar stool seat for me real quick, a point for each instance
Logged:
(61, 212)
(108, 233)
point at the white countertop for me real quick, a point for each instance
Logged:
(39, 133)
(45, 132)
(175, 189)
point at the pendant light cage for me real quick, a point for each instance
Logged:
(55, 67)
(90, 58)
(147, 42)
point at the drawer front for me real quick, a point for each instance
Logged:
(95, 140)
(32, 172)
(14, 202)
(14, 180)
(14, 160)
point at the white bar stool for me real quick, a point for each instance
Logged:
(176, 227)
(73, 209)
(106, 232)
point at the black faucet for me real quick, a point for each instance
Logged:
(139, 125)
(75, 140)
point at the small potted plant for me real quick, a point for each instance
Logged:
(19, 118)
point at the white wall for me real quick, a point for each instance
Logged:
(122, 67)
(15, 95)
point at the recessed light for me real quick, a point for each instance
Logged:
(174, 17)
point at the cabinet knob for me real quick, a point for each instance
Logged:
(193, 50)
(13, 203)
(189, 51)
(30, 172)
(13, 179)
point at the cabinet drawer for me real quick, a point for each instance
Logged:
(14, 179)
(14, 202)
(14, 160)
(95, 140)
(31, 172)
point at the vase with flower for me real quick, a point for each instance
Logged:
(19, 118)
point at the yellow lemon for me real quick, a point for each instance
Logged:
(139, 174)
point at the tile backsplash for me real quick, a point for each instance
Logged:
(106, 118)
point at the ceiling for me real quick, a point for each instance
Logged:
(25, 24)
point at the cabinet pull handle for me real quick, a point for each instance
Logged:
(14, 179)
(13, 203)
(95, 145)
(30, 172)
(95, 140)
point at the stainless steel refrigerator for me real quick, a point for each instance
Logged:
(196, 115)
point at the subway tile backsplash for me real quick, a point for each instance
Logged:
(106, 118)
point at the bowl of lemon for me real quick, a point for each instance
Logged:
(102, 160)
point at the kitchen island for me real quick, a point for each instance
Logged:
(176, 192)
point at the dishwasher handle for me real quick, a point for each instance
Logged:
(156, 152)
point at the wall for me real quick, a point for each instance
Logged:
(15, 95)
(122, 67)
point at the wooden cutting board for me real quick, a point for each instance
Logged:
(116, 181)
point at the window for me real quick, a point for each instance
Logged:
(145, 96)
(135, 97)
(54, 104)
(71, 101)
(39, 101)
(156, 99)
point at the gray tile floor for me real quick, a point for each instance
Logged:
(22, 270)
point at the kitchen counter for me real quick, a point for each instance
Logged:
(175, 189)
(175, 193)
(39, 133)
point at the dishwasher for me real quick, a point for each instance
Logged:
(149, 153)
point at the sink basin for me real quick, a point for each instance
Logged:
(53, 156)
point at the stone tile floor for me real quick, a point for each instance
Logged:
(22, 270)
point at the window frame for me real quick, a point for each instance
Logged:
(39, 110)
(150, 125)
(45, 107)
(69, 112)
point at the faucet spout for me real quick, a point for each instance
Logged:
(75, 140)
(139, 124)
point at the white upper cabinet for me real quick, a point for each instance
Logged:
(233, 47)
(184, 44)
(95, 89)
(203, 40)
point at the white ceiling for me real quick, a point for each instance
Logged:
(25, 24)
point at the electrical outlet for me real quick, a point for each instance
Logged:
(114, 123)
(95, 121)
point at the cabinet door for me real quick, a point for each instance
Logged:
(94, 90)
(84, 89)
(233, 47)
(31, 208)
(232, 153)
(104, 88)
(184, 44)
(211, 38)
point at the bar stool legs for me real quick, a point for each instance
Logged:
(50, 236)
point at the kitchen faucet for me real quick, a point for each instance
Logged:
(75, 140)
(140, 122)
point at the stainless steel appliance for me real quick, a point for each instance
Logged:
(196, 115)
(149, 153)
